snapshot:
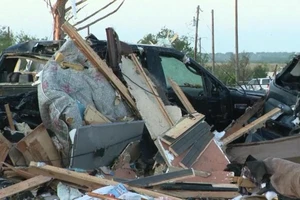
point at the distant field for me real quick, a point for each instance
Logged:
(271, 66)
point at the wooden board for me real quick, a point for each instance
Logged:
(16, 157)
(285, 148)
(184, 100)
(152, 89)
(183, 125)
(242, 120)
(196, 150)
(18, 171)
(38, 146)
(23, 186)
(156, 121)
(162, 178)
(258, 123)
(9, 117)
(83, 179)
(97, 62)
(189, 138)
(93, 116)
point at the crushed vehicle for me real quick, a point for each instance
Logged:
(207, 94)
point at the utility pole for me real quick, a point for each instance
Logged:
(236, 42)
(196, 33)
(213, 40)
(200, 50)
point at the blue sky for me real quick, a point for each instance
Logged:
(264, 25)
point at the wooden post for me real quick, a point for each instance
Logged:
(196, 33)
(9, 117)
(236, 43)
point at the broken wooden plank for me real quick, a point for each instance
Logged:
(20, 172)
(196, 151)
(258, 123)
(162, 178)
(38, 146)
(156, 123)
(184, 100)
(93, 116)
(83, 179)
(100, 196)
(183, 125)
(16, 157)
(152, 89)
(189, 138)
(285, 148)
(23, 186)
(97, 62)
(9, 117)
(242, 120)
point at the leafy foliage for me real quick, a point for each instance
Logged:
(8, 38)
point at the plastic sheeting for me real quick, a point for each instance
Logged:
(63, 93)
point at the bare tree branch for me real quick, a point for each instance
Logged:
(93, 14)
(94, 22)
(77, 4)
(76, 12)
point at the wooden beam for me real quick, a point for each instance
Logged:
(97, 62)
(184, 100)
(83, 179)
(243, 120)
(5, 146)
(162, 178)
(20, 172)
(9, 117)
(23, 186)
(258, 123)
(183, 125)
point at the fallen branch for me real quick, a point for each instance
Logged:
(94, 22)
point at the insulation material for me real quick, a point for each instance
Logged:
(63, 93)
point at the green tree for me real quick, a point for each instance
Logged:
(181, 43)
(6, 38)
(260, 71)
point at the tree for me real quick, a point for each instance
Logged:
(166, 36)
(61, 13)
(6, 38)
(260, 71)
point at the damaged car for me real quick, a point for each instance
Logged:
(20, 64)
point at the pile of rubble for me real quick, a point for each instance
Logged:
(93, 140)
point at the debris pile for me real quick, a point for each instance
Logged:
(107, 132)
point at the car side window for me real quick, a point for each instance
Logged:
(265, 81)
(177, 71)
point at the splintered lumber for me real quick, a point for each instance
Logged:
(189, 138)
(152, 89)
(97, 62)
(184, 100)
(196, 151)
(162, 178)
(20, 172)
(9, 117)
(83, 179)
(242, 120)
(100, 196)
(93, 116)
(5, 146)
(23, 186)
(38, 146)
(258, 123)
(285, 148)
(150, 108)
(183, 125)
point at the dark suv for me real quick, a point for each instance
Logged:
(207, 94)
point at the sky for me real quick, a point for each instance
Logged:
(264, 25)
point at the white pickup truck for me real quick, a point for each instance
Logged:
(258, 84)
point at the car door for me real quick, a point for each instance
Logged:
(203, 92)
